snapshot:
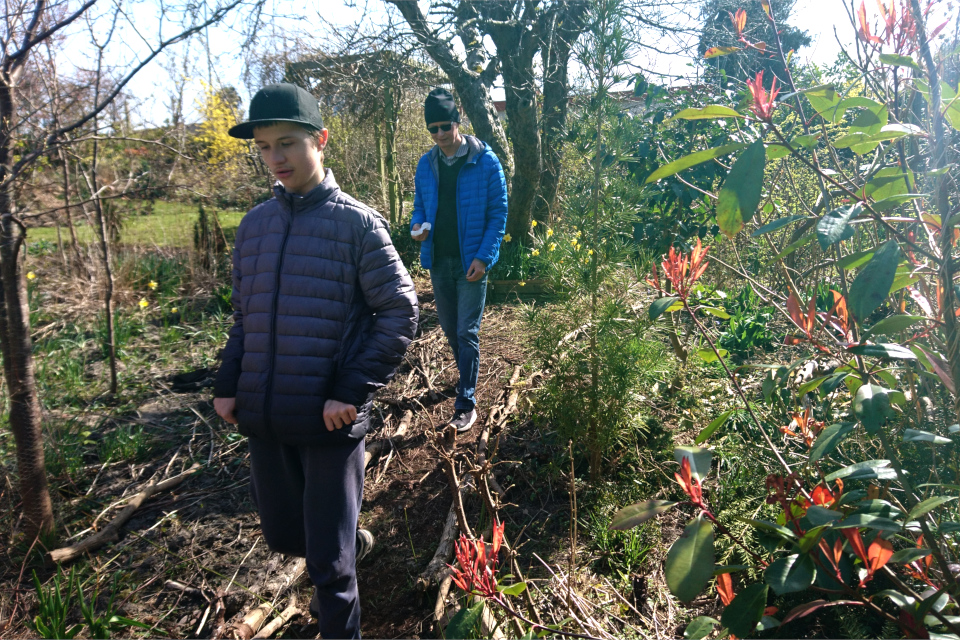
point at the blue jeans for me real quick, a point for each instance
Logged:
(459, 309)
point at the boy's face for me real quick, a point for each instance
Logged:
(293, 154)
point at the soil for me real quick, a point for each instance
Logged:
(205, 533)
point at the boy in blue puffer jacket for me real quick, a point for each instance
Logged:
(460, 215)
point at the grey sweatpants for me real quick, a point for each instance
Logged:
(309, 499)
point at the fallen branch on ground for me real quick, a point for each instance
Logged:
(285, 617)
(111, 532)
(377, 447)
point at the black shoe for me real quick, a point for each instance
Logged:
(364, 544)
(463, 419)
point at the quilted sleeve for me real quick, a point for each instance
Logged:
(390, 294)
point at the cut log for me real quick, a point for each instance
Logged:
(111, 532)
(377, 447)
(247, 628)
(280, 620)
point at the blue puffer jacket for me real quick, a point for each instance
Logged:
(324, 309)
(481, 203)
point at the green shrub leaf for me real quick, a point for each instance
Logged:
(866, 470)
(699, 460)
(700, 628)
(776, 224)
(915, 435)
(899, 61)
(660, 305)
(885, 350)
(742, 615)
(872, 285)
(830, 438)
(741, 191)
(871, 405)
(893, 324)
(514, 589)
(629, 517)
(790, 574)
(869, 521)
(709, 112)
(691, 560)
(928, 505)
(906, 556)
(835, 226)
(715, 424)
(692, 160)
(464, 623)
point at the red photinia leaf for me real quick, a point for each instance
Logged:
(837, 551)
(822, 496)
(763, 102)
(795, 309)
(725, 588)
(852, 534)
(942, 369)
(810, 607)
(878, 554)
(497, 536)
(739, 21)
(771, 610)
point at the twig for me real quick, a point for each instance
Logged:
(110, 533)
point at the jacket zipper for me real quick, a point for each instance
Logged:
(268, 402)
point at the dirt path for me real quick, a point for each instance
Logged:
(204, 535)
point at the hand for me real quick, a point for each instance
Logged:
(476, 271)
(225, 408)
(337, 414)
(420, 237)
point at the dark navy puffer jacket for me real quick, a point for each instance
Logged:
(324, 309)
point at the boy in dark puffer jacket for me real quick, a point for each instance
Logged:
(324, 313)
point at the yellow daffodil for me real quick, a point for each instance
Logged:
(31, 275)
(573, 242)
(523, 283)
(174, 310)
(533, 224)
(535, 253)
(577, 246)
(143, 303)
(549, 232)
(553, 245)
(579, 233)
(507, 237)
(589, 252)
(153, 284)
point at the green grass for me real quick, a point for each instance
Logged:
(171, 225)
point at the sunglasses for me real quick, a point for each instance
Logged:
(442, 127)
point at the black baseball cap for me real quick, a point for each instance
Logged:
(283, 102)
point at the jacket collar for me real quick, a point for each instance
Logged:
(475, 147)
(314, 198)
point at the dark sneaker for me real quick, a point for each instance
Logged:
(364, 544)
(463, 419)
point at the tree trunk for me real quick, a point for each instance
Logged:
(25, 416)
(381, 162)
(472, 87)
(558, 38)
(521, 98)
(390, 138)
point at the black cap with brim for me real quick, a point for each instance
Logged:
(282, 102)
